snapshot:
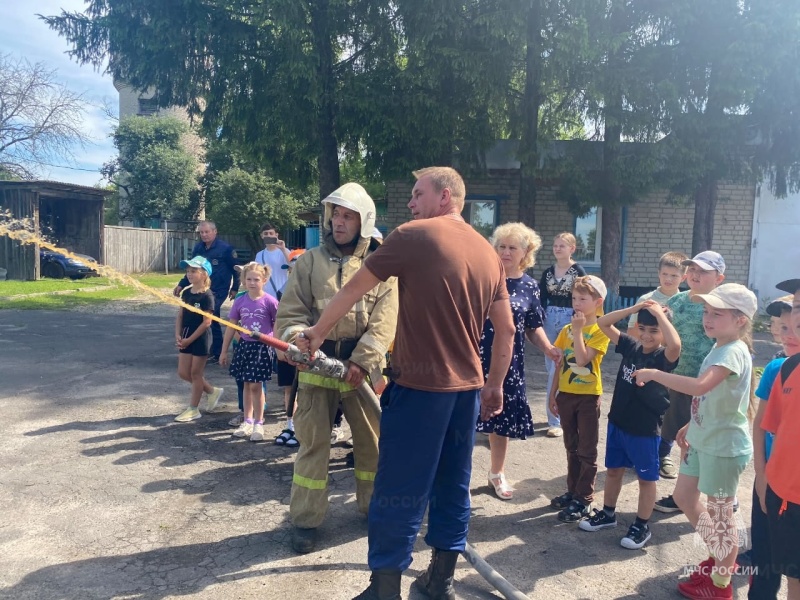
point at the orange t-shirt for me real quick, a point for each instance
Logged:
(448, 276)
(782, 418)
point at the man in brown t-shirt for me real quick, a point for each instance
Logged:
(450, 279)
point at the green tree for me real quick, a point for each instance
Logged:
(154, 169)
(441, 97)
(611, 62)
(774, 113)
(708, 82)
(267, 76)
(545, 90)
(240, 201)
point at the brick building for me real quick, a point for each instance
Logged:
(649, 228)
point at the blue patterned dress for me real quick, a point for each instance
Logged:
(515, 421)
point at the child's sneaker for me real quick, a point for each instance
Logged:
(668, 469)
(237, 420)
(637, 537)
(667, 505)
(703, 588)
(212, 399)
(190, 414)
(258, 433)
(703, 569)
(598, 520)
(561, 502)
(574, 512)
(244, 430)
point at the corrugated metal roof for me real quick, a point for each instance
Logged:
(41, 184)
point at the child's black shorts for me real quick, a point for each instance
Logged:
(200, 347)
(784, 533)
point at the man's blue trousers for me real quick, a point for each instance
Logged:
(424, 461)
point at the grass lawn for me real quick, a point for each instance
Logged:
(68, 294)
(17, 288)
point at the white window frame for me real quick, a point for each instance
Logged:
(593, 261)
(467, 212)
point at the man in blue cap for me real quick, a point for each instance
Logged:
(222, 257)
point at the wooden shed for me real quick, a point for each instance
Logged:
(67, 215)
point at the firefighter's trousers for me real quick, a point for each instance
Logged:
(313, 420)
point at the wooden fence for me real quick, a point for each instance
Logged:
(135, 250)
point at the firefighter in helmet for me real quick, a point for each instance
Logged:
(361, 338)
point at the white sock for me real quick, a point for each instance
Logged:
(290, 423)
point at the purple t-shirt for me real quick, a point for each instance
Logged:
(254, 315)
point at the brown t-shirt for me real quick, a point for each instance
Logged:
(448, 276)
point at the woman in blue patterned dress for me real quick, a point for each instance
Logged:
(516, 245)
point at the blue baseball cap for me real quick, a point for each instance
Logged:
(198, 262)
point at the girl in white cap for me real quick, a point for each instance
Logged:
(715, 444)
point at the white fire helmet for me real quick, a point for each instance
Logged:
(354, 197)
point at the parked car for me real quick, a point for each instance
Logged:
(57, 266)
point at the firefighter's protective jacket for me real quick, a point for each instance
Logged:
(316, 277)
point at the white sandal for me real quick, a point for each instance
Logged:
(502, 488)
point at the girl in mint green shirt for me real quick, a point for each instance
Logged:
(715, 444)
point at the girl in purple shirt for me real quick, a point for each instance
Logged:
(252, 361)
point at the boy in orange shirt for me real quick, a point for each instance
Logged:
(782, 418)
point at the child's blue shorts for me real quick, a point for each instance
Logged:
(637, 452)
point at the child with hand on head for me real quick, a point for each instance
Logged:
(766, 580)
(782, 418)
(715, 444)
(193, 337)
(671, 273)
(575, 396)
(252, 362)
(636, 415)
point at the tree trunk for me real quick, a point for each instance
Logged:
(705, 206)
(531, 101)
(612, 138)
(705, 195)
(611, 246)
(328, 154)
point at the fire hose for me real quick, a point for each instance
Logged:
(321, 364)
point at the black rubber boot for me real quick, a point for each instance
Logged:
(384, 584)
(437, 582)
(304, 540)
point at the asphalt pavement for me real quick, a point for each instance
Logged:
(104, 496)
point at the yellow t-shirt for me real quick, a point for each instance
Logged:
(581, 380)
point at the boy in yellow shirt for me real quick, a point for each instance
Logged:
(576, 397)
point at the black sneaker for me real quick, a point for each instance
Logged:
(598, 520)
(574, 512)
(667, 505)
(637, 536)
(561, 502)
(212, 360)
